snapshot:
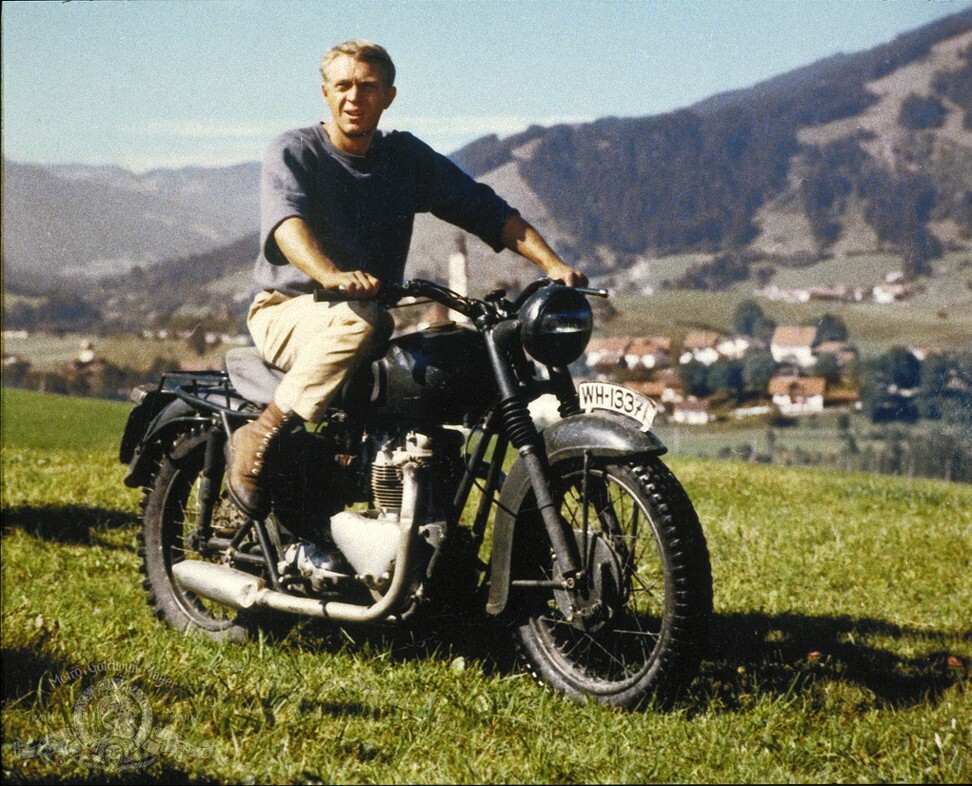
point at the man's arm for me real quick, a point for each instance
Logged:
(519, 236)
(297, 243)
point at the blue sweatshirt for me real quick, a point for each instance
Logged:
(361, 208)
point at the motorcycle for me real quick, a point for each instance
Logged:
(586, 549)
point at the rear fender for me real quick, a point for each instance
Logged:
(144, 451)
(605, 438)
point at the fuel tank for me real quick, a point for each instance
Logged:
(440, 374)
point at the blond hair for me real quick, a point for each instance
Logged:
(367, 51)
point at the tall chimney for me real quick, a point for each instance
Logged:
(458, 273)
(458, 278)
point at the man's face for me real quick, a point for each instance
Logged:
(356, 95)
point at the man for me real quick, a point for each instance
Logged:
(337, 205)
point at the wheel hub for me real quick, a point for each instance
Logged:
(592, 602)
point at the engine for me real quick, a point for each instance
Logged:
(370, 540)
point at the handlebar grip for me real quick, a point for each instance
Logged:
(340, 295)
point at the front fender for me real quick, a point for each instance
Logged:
(606, 438)
(605, 435)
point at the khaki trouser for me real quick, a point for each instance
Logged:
(318, 344)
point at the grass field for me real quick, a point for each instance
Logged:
(841, 648)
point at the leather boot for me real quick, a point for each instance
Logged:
(249, 447)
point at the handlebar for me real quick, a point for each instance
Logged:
(390, 294)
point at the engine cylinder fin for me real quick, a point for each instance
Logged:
(386, 486)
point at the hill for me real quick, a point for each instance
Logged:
(858, 153)
(863, 152)
(65, 222)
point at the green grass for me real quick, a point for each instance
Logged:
(33, 420)
(840, 652)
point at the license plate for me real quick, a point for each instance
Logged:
(617, 398)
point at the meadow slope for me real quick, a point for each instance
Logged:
(841, 649)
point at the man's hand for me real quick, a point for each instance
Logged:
(355, 284)
(567, 275)
(298, 244)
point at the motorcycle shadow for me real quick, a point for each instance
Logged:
(69, 524)
(755, 654)
(445, 638)
(751, 656)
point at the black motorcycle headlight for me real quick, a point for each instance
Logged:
(556, 324)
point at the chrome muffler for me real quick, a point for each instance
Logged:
(240, 590)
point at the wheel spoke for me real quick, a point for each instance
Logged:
(642, 536)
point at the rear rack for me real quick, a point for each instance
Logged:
(207, 389)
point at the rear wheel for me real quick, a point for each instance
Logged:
(639, 625)
(169, 523)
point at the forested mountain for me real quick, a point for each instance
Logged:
(855, 153)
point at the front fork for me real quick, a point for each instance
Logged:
(523, 434)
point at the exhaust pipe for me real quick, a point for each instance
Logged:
(221, 583)
(239, 590)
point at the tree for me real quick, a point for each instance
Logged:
(828, 367)
(725, 376)
(831, 328)
(921, 112)
(901, 367)
(746, 317)
(694, 376)
(197, 341)
(945, 392)
(881, 402)
(758, 368)
(749, 319)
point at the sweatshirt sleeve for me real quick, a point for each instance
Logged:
(285, 190)
(452, 195)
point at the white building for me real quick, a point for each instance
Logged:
(794, 344)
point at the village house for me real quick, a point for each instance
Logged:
(701, 346)
(798, 395)
(843, 398)
(671, 382)
(794, 344)
(841, 350)
(734, 347)
(883, 294)
(653, 388)
(774, 292)
(12, 361)
(841, 293)
(655, 352)
(692, 412)
(604, 354)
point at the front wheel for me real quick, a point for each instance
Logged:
(638, 626)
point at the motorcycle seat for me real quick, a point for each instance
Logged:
(256, 380)
(251, 376)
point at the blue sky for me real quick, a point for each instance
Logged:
(147, 84)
